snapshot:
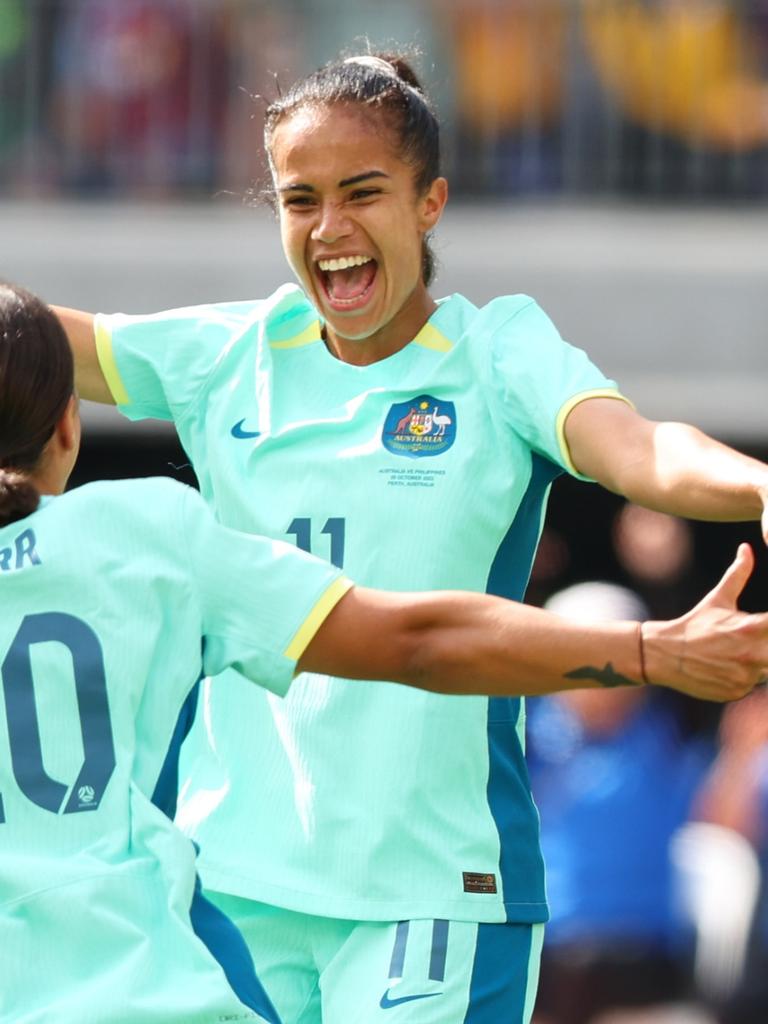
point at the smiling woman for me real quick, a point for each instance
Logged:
(357, 199)
(378, 847)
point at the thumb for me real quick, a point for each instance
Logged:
(727, 592)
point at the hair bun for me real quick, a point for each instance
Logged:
(370, 60)
(402, 69)
(388, 64)
(18, 496)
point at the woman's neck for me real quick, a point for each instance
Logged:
(387, 340)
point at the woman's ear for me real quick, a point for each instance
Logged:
(432, 204)
(68, 430)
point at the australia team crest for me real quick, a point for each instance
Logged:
(421, 426)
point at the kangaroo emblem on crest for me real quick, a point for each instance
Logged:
(402, 425)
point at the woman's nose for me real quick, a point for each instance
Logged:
(332, 224)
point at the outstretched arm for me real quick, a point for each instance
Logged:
(89, 379)
(462, 643)
(671, 467)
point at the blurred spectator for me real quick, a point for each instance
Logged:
(509, 58)
(265, 49)
(358, 27)
(735, 797)
(151, 96)
(552, 561)
(613, 779)
(656, 552)
(142, 89)
(689, 77)
(14, 38)
(25, 64)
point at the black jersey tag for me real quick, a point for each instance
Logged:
(475, 882)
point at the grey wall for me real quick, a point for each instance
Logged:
(672, 303)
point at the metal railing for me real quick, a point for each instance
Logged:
(573, 97)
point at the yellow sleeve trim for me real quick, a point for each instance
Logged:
(569, 406)
(108, 364)
(430, 337)
(328, 601)
(306, 337)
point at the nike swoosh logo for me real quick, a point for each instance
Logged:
(387, 1003)
(237, 431)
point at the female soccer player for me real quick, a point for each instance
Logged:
(106, 594)
(412, 442)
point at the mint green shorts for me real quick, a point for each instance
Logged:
(320, 970)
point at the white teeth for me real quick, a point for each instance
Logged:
(343, 263)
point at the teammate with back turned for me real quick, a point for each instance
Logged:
(413, 442)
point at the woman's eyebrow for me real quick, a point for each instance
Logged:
(344, 183)
(362, 177)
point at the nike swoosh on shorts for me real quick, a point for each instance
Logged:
(386, 1003)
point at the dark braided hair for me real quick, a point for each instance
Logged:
(384, 83)
(36, 382)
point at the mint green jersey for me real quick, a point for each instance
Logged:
(429, 469)
(115, 596)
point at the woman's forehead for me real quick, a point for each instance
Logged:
(342, 128)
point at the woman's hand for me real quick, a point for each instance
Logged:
(713, 652)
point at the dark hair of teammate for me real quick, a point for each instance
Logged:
(36, 382)
(383, 83)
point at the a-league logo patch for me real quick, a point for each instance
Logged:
(419, 427)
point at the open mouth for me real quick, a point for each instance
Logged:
(347, 280)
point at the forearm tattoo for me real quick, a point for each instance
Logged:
(606, 676)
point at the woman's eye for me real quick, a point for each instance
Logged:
(365, 193)
(298, 201)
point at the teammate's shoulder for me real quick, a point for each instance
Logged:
(143, 499)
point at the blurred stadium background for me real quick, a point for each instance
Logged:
(609, 157)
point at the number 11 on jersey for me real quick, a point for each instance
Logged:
(335, 529)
